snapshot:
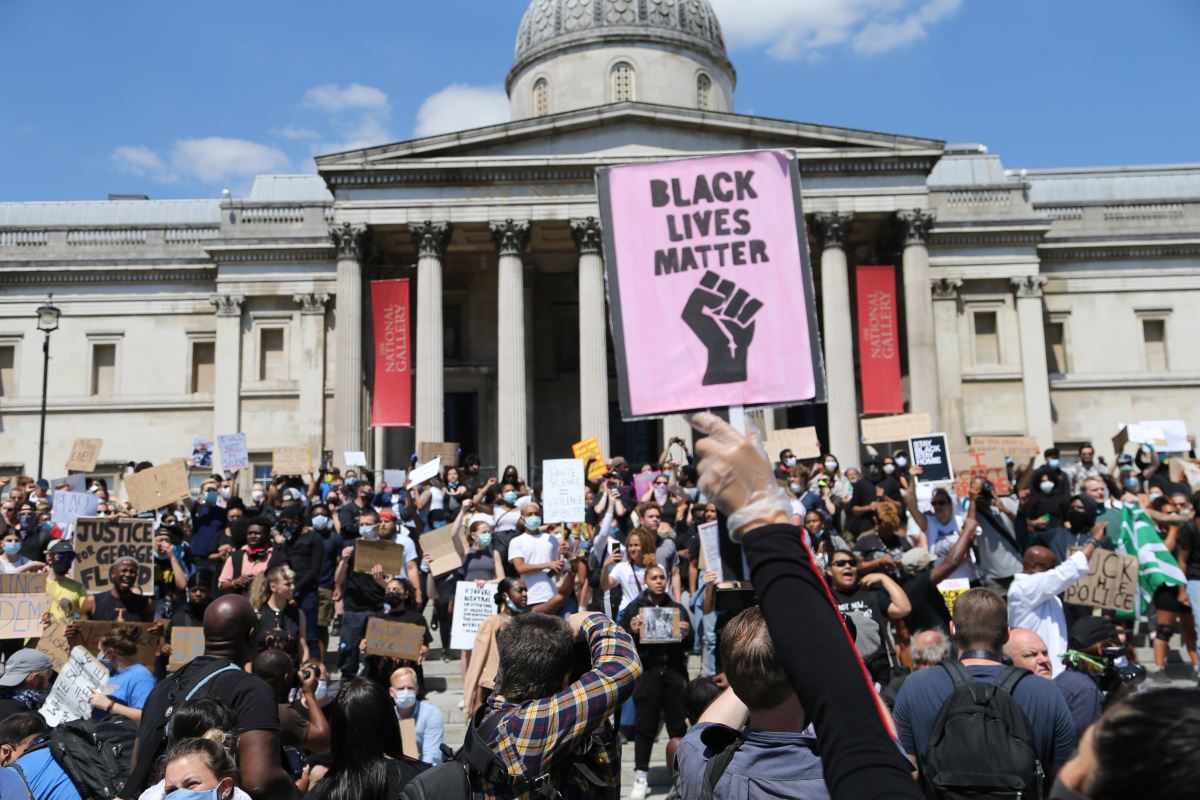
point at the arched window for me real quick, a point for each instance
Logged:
(541, 97)
(622, 82)
(703, 92)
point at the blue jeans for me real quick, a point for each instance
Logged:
(706, 634)
(354, 627)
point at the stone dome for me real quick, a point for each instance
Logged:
(554, 32)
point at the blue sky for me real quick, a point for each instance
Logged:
(182, 99)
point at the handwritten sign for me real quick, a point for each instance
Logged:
(23, 601)
(69, 697)
(84, 454)
(1170, 435)
(1018, 448)
(710, 544)
(234, 454)
(896, 428)
(291, 460)
(157, 486)
(186, 643)
(950, 589)
(802, 442)
(471, 607)
(425, 472)
(91, 632)
(53, 642)
(659, 625)
(69, 506)
(977, 465)
(100, 541)
(563, 490)
(1111, 582)
(590, 448)
(931, 454)
(395, 478)
(400, 640)
(389, 555)
(446, 451)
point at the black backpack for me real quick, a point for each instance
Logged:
(95, 755)
(982, 745)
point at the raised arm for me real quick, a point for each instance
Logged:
(910, 500)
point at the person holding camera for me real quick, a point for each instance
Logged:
(303, 727)
(998, 546)
(1096, 670)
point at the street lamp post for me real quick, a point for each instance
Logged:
(47, 323)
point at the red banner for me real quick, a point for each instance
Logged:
(392, 404)
(879, 342)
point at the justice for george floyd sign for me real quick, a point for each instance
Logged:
(709, 285)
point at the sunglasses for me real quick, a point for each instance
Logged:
(844, 562)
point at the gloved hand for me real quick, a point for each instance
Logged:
(736, 474)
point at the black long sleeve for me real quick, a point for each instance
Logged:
(306, 555)
(859, 758)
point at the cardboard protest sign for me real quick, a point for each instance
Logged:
(395, 478)
(186, 643)
(439, 545)
(896, 428)
(1111, 582)
(1018, 448)
(100, 541)
(388, 554)
(92, 631)
(71, 694)
(975, 464)
(425, 472)
(590, 448)
(1185, 470)
(708, 259)
(76, 482)
(471, 607)
(234, 454)
(950, 589)
(931, 454)
(801, 441)
(23, 601)
(84, 454)
(659, 625)
(291, 460)
(408, 738)
(69, 506)
(355, 458)
(400, 640)
(53, 642)
(446, 451)
(563, 490)
(157, 486)
(710, 544)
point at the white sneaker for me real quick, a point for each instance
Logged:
(640, 788)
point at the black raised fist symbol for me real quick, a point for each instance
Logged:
(722, 317)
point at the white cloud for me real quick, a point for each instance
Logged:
(216, 159)
(798, 29)
(368, 131)
(333, 98)
(459, 107)
(142, 161)
(294, 132)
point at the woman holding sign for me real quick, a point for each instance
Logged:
(480, 679)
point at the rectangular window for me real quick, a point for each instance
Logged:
(1056, 348)
(204, 367)
(8, 370)
(272, 360)
(104, 368)
(1154, 335)
(987, 339)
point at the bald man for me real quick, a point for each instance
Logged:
(230, 630)
(1027, 650)
(1033, 596)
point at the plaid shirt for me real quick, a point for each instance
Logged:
(566, 734)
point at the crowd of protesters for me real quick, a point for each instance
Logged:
(826, 651)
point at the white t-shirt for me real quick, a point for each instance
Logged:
(631, 579)
(436, 499)
(942, 539)
(538, 548)
(508, 519)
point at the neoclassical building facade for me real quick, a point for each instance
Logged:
(1047, 302)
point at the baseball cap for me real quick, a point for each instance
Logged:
(22, 664)
(60, 546)
(1088, 631)
(916, 559)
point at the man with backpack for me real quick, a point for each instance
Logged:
(976, 728)
(230, 631)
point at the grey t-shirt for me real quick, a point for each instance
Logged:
(768, 765)
(997, 556)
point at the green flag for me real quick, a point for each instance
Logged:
(1156, 566)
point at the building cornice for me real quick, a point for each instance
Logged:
(1076, 250)
(43, 276)
(317, 250)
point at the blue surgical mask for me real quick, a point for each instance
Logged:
(366, 531)
(510, 497)
(513, 607)
(351, 480)
(485, 540)
(1131, 483)
(320, 523)
(452, 484)
(192, 794)
(12, 548)
(210, 497)
(1053, 463)
(438, 524)
(533, 522)
(693, 492)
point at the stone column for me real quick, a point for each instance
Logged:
(348, 387)
(227, 383)
(1034, 376)
(949, 361)
(593, 341)
(512, 438)
(311, 416)
(430, 240)
(918, 304)
(833, 233)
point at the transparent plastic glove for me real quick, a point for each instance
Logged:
(736, 474)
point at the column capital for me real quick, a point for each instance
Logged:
(916, 225)
(510, 236)
(228, 305)
(587, 233)
(350, 240)
(833, 230)
(430, 238)
(946, 288)
(1029, 285)
(312, 302)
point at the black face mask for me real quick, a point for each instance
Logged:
(61, 567)
(1081, 521)
(394, 600)
(197, 606)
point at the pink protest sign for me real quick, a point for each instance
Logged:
(709, 285)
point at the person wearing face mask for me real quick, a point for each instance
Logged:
(400, 608)
(1046, 507)
(823, 541)
(191, 614)
(198, 769)
(480, 679)
(11, 560)
(787, 460)
(506, 522)
(827, 474)
(129, 682)
(209, 520)
(36, 536)
(322, 525)
(66, 594)
(536, 556)
(302, 724)
(426, 717)
(172, 567)
(304, 550)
